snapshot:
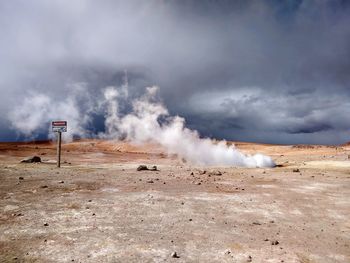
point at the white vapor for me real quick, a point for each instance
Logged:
(147, 121)
(37, 110)
(143, 125)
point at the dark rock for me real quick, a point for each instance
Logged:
(31, 159)
(216, 173)
(296, 170)
(142, 168)
(20, 178)
(150, 181)
(274, 243)
(61, 182)
(46, 224)
(44, 186)
(145, 168)
(174, 255)
(249, 259)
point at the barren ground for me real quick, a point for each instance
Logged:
(98, 208)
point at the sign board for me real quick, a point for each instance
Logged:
(59, 126)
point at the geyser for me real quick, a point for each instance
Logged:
(142, 125)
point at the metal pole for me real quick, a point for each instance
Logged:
(59, 149)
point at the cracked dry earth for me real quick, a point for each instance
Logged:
(98, 208)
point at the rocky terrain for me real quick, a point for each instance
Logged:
(98, 207)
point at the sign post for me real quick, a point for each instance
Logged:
(59, 127)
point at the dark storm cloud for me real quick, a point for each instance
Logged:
(274, 71)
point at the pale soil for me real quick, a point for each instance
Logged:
(98, 208)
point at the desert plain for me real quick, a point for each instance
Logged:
(98, 208)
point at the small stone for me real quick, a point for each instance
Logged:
(20, 178)
(296, 170)
(192, 173)
(249, 259)
(31, 159)
(142, 168)
(46, 224)
(174, 255)
(44, 186)
(190, 219)
(274, 243)
(150, 182)
(61, 182)
(154, 168)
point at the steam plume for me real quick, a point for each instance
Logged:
(142, 125)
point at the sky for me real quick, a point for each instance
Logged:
(261, 70)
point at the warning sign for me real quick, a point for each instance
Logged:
(59, 126)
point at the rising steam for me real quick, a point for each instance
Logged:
(143, 125)
(148, 120)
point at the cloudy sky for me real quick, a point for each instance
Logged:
(262, 70)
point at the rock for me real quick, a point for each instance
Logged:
(145, 168)
(174, 255)
(216, 173)
(20, 178)
(142, 168)
(31, 159)
(274, 243)
(249, 259)
(44, 186)
(296, 170)
(46, 224)
(150, 181)
(154, 168)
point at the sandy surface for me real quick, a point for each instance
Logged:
(98, 208)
